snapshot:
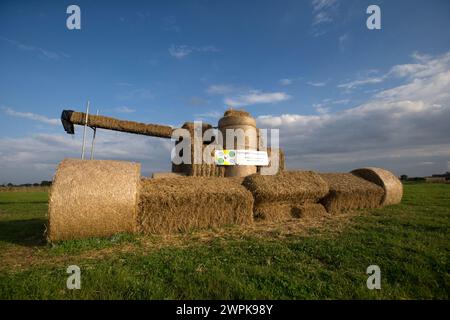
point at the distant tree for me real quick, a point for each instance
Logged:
(36, 184)
(46, 183)
(10, 185)
(404, 177)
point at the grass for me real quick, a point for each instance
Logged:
(326, 260)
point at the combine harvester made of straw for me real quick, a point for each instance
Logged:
(103, 197)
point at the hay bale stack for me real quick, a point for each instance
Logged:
(237, 121)
(186, 203)
(93, 198)
(349, 192)
(198, 169)
(279, 211)
(393, 188)
(205, 170)
(309, 210)
(278, 196)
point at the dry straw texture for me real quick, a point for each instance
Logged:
(286, 195)
(289, 186)
(277, 212)
(205, 170)
(182, 204)
(162, 175)
(93, 198)
(393, 188)
(199, 170)
(236, 118)
(237, 113)
(109, 123)
(349, 192)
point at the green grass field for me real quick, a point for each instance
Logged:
(324, 259)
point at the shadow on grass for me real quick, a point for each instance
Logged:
(29, 233)
(21, 202)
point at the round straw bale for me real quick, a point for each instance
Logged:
(393, 188)
(239, 121)
(93, 198)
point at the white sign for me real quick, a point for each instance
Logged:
(241, 158)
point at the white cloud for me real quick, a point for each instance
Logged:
(34, 158)
(286, 82)
(317, 84)
(42, 53)
(30, 116)
(357, 83)
(181, 51)
(405, 70)
(133, 94)
(220, 89)
(420, 56)
(197, 101)
(322, 17)
(343, 39)
(399, 128)
(425, 67)
(322, 4)
(170, 24)
(323, 12)
(326, 104)
(215, 115)
(124, 109)
(256, 97)
(321, 108)
(241, 97)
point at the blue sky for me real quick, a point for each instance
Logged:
(342, 95)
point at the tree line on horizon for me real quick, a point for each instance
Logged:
(43, 183)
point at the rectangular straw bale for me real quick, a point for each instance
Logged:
(285, 195)
(349, 192)
(122, 125)
(181, 204)
(288, 187)
(276, 212)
